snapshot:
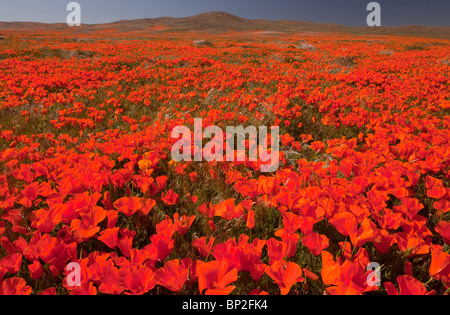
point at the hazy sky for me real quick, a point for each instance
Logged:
(346, 12)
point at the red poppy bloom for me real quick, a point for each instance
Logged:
(128, 205)
(183, 224)
(14, 286)
(203, 248)
(285, 275)
(36, 270)
(137, 279)
(170, 198)
(109, 237)
(172, 276)
(443, 228)
(214, 277)
(315, 242)
(408, 285)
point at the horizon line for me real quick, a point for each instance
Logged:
(206, 12)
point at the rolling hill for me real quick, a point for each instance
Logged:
(222, 22)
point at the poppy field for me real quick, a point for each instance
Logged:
(87, 176)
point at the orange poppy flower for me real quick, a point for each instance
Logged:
(109, 237)
(14, 286)
(443, 228)
(128, 205)
(214, 277)
(11, 263)
(137, 279)
(285, 275)
(170, 198)
(228, 210)
(35, 269)
(276, 250)
(183, 224)
(440, 264)
(315, 242)
(172, 276)
(250, 220)
(408, 285)
(203, 248)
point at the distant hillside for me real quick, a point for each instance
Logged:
(221, 22)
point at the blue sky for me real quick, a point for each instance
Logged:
(346, 12)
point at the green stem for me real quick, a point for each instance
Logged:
(428, 282)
